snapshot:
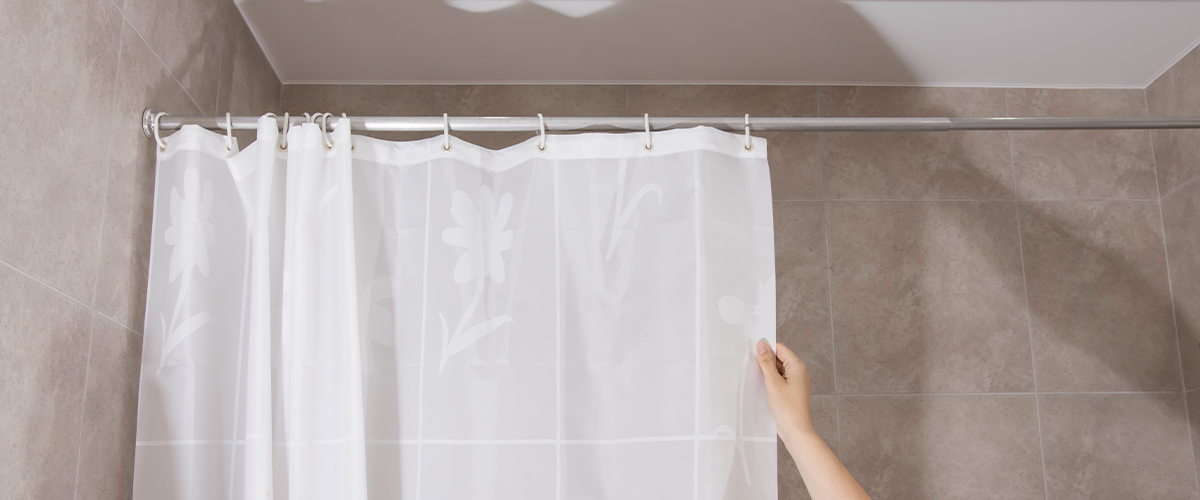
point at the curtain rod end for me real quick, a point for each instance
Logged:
(148, 122)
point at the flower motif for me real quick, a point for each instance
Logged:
(761, 316)
(190, 233)
(482, 233)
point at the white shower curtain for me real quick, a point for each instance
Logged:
(354, 318)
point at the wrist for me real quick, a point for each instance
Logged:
(792, 431)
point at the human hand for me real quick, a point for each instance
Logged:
(787, 381)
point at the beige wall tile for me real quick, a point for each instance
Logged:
(824, 418)
(797, 172)
(43, 357)
(248, 85)
(915, 165)
(1099, 304)
(59, 62)
(1075, 164)
(109, 413)
(1176, 93)
(188, 35)
(935, 447)
(1101, 446)
(1181, 220)
(125, 243)
(802, 288)
(928, 297)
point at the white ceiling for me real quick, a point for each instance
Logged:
(1009, 43)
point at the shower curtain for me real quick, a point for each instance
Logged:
(340, 317)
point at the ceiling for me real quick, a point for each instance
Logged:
(1008, 43)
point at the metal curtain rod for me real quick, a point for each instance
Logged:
(734, 124)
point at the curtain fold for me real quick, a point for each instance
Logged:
(362, 319)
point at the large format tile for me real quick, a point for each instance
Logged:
(59, 62)
(248, 85)
(43, 357)
(1193, 409)
(911, 165)
(824, 419)
(1176, 93)
(1118, 446)
(802, 288)
(928, 297)
(457, 100)
(1075, 164)
(109, 412)
(1181, 221)
(189, 37)
(125, 242)
(934, 447)
(797, 172)
(1099, 302)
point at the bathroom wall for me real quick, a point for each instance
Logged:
(1177, 93)
(985, 314)
(76, 179)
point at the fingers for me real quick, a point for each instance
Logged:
(791, 363)
(766, 361)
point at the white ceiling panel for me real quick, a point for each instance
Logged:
(1010, 43)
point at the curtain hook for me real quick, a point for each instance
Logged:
(162, 143)
(287, 127)
(228, 132)
(446, 130)
(649, 143)
(749, 144)
(542, 127)
(325, 129)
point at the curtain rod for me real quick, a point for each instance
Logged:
(637, 123)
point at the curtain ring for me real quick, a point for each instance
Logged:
(649, 143)
(749, 143)
(287, 126)
(325, 129)
(446, 131)
(542, 127)
(162, 143)
(352, 130)
(228, 132)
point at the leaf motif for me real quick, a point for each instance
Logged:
(470, 336)
(732, 309)
(187, 327)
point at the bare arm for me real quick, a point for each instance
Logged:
(787, 382)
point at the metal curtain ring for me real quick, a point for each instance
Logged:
(649, 142)
(287, 127)
(446, 131)
(228, 132)
(162, 143)
(325, 130)
(749, 143)
(542, 126)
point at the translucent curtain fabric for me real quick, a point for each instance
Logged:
(354, 318)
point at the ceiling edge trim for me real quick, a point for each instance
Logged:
(1172, 64)
(765, 83)
(259, 40)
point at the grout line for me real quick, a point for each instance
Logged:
(112, 114)
(1180, 186)
(1037, 404)
(837, 417)
(1042, 393)
(1193, 389)
(163, 63)
(742, 83)
(1171, 293)
(87, 368)
(47, 285)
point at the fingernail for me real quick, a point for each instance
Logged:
(762, 347)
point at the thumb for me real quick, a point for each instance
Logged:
(766, 361)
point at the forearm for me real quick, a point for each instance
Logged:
(824, 475)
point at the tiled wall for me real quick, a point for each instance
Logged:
(985, 314)
(1177, 93)
(76, 179)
